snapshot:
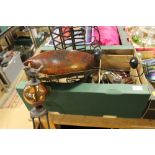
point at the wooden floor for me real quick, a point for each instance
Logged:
(15, 118)
(13, 113)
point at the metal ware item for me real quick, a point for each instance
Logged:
(34, 94)
(68, 37)
(134, 62)
(62, 63)
(113, 77)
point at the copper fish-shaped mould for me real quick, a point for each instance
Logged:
(62, 62)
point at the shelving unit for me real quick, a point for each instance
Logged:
(37, 35)
(7, 39)
(125, 44)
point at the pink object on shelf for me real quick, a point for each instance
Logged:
(108, 35)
